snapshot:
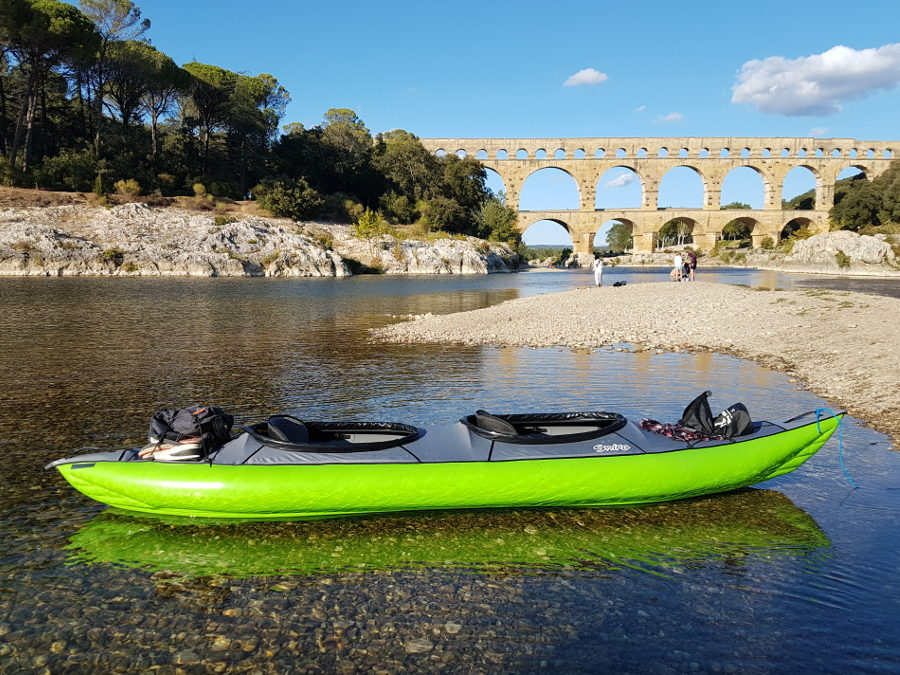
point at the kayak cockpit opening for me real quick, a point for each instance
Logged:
(565, 427)
(289, 432)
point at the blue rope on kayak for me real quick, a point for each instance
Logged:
(840, 430)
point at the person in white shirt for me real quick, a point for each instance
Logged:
(679, 265)
(598, 271)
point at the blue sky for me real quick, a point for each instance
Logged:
(500, 69)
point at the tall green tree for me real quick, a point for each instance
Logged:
(256, 107)
(40, 35)
(165, 83)
(208, 103)
(115, 21)
(619, 238)
(412, 171)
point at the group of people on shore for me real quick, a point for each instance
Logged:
(684, 268)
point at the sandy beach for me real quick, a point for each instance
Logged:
(843, 346)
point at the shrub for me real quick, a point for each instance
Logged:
(128, 188)
(68, 170)
(221, 220)
(842, 259)
(372, 224)
(767, 243)
(342, 207)
(289, 198)
(200, 190)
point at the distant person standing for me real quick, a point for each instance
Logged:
(692, 261)
(678, 268)
(598, 271)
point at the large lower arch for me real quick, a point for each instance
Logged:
(676, 232)
(791, 228)
(616, 235)
(548, 232)
(740, 229)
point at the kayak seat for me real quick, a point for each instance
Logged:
(484, 420)
(288, 429)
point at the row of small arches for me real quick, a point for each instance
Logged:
(663, 153)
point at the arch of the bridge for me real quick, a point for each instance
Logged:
(587, 159)
(707, 225)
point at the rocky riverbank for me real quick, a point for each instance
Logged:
(834, 253)
(139, 240)
(844, 346)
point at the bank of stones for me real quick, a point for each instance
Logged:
(844, 346)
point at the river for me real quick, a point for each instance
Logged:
(799, 573)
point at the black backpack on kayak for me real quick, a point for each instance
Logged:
(210, 424)
(733, 421)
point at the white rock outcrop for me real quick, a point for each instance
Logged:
(137, 240)
(824, 250)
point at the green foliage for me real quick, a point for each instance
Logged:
(860, 203)
(802, 202)
(736, 205)
(69, 170)
(88, 79)
(289, 198)
(444, 213)
(372, 224)
(737, 229)
(675, 233)
(223, 219)
(619, 238)
(842, 259)
(767, 243)
(399, 208)
(498, 222)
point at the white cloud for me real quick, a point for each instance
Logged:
(587, 76)
(818, 131)
(640, 108)
(621, 180)
(817, 84)
(671, 117)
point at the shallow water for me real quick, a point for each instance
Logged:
(798, 573)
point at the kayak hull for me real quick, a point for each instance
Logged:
(287, 491)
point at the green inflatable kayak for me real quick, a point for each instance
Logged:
(285, 468)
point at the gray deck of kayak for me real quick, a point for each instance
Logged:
(452, 443)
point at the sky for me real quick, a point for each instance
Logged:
(565, 69)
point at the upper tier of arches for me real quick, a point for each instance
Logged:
(662, 148)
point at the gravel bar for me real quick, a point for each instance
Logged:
(844, 346)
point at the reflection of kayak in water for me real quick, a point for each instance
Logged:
(742, 523)
(287, 468)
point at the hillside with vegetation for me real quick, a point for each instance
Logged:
(88, 104)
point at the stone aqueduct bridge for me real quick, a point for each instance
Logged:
(587, 159)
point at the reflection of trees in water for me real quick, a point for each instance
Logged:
(93, 358)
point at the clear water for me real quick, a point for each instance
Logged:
(798, 573)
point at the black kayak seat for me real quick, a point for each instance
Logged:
(288, 429)
(484, 420)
